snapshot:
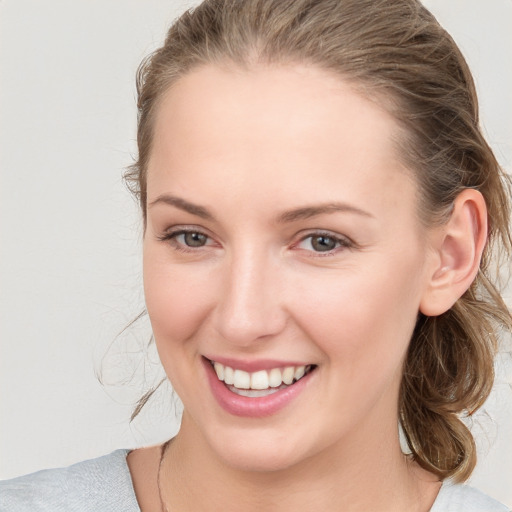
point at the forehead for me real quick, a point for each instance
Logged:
(291, 129)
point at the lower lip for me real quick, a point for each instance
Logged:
(254, 407)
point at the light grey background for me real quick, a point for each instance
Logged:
(70, 276)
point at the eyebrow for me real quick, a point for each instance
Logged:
(184, 205)
(321, 209)
(288, 216)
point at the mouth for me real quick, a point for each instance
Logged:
(260, 383)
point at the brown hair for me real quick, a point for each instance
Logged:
(394, 52)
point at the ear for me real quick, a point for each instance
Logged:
(457, 250)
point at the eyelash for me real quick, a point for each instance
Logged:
(341, 242)
(171, 236)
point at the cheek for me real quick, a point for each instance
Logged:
(363, 327)
(362, 318)
(176, 300)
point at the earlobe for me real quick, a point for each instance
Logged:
(457, 252)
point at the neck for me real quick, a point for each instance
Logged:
(361, 473)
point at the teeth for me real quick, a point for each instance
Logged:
(242, 380)
(299, 372)
(229, 375)
(288, 373)
(259, 380)
(254, 384)
(256, 393)
(275, 378)
(219, 370)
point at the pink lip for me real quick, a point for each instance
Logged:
(253, 407)
(254, 366)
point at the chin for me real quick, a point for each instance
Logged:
(259, 452)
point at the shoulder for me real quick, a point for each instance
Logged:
(463, 498)
(101, 484)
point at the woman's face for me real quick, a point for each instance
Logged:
(281, 237)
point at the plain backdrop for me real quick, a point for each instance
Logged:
(70, 277)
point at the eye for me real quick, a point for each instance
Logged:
(192, 238)
(186, 239)
(323, 243)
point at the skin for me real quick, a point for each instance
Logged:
(249, 147)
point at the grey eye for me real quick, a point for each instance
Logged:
(194, 239)
(322, 243)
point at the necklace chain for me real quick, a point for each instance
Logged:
(163, 451)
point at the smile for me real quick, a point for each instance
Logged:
(262, 388)
(260, 383)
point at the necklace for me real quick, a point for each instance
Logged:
(163, 451)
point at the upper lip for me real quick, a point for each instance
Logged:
(255, 364)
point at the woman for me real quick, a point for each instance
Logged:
(319, 209)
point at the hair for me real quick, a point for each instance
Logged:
(394, 53)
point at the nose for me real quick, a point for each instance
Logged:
(251, 307)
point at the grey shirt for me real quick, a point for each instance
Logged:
(104, 485)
